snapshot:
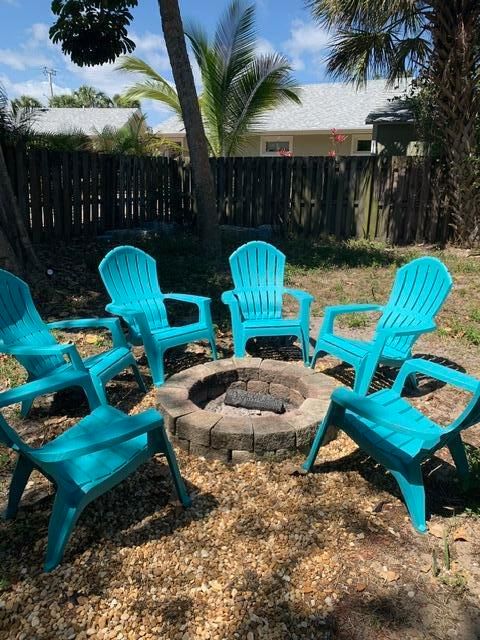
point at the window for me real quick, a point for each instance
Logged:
(271, 146)
(361, 146)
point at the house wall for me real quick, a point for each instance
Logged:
(396, 140)
(304, 145)
(316, 144)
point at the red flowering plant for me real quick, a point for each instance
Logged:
(336, 138)
(285, 153)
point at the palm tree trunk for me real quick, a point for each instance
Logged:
(454, 72)
(196, 139)
(16, 251)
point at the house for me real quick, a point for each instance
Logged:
(394, 132)
(305, 129)
(88, 121)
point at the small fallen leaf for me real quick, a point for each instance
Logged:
(91, 338)
(436, 530)
(462, 535)
(425, 568)
(308, 589)
(391, 576)
(361, 586)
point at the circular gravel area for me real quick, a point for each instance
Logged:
(214, 435)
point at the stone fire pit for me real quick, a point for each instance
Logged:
(198, 421)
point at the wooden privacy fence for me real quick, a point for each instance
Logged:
(68, 194)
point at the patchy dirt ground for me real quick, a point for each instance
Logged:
(264, 552)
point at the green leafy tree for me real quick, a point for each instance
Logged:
(84, 96)
(93, 32)
(26, 102)
(437, 41)
(132, 139)
(239, 86)
(16, 251)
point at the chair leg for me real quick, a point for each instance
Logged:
(457, 450)
(95, 394)
(364, 376)
(413, 491)
(411, 383)
(62, 521)
(20, 477)
(213, 346)
(305, 342)
(157, 367)
(26, 406)
(174, 470)
(239, 344)
(138, 378)
(100, 390)
(317, 353)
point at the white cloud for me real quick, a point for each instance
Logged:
(21, 60)
(264, 47)
(305, 39)
(39, 89)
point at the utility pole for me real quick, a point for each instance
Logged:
(49, 73)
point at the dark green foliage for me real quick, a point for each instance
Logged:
(93, 32)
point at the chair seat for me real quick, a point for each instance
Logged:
(274, 323)
(358, 349)
(389, 440)
(92, 469)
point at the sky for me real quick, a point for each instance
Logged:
(284, 26)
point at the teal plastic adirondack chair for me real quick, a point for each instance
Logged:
(25, 336)
(130, 277)
(419, 290)
(86, 461)
(398, 435)
(256, 301)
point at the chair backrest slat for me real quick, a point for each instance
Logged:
(130, 277)
(258, 271)
(419, 290)
(21, 325)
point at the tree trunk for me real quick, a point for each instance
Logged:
(196, 139)
(16, 251)
(454, 72)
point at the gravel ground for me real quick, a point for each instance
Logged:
(264, 552)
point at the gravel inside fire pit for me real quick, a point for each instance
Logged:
(217, 405)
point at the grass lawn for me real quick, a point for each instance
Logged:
(263, 552)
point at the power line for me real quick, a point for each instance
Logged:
(49, 73)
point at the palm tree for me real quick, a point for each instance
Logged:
(122, 101)
(90, 97)
(63, 100)
(438, 42)
(84, 96)
(16, 251)
(197, 143)
(239, 86)
(26, 102)
(133, 139)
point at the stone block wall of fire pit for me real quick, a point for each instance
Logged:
(232, 438)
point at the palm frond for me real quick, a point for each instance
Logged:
(265, 85)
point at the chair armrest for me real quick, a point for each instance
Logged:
(135, 314)
(331, 313)
(370, 410)
(299, 294)
(112, 324)
(119, 430)
(201, 302)
(69, 350)
(418, 329)
(229, 298)
(437, 372)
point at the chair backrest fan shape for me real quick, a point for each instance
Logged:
(258, 270)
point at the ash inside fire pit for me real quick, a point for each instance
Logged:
(199, 421)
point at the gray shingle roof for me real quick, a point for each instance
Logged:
(324, 106)
(65, 120)
(393, 112)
